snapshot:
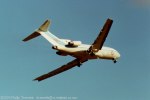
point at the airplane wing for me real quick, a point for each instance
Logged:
(61, 69)
(98, 43)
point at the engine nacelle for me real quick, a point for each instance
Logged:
(74, 43)
(70, 43)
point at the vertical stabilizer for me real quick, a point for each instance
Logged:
(43, 28)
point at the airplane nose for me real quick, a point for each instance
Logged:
(117, 55)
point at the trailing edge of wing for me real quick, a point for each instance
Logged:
(60, 69)
(98, 43)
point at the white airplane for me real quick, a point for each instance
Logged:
(81, 52)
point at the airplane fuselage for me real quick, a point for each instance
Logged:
(81, 52)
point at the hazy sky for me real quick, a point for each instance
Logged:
(129, 79)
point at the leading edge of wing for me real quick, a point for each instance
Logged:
(60, 69)
(98, 43)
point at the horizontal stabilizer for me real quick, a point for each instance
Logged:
(43, 28)
(33, 35)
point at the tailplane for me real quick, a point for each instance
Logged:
(43, 28)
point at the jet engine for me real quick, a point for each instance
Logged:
(70, 43)
(74, 43)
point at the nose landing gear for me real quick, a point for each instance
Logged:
(114, 60)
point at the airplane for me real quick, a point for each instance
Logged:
(81, 52)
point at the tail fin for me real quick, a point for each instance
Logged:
(43, 28)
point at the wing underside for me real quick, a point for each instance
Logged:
(98, 43)
(60, 69)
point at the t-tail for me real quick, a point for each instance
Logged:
(43, 30)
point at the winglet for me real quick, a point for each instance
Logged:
(43, 28)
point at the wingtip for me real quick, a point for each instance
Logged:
(110, 19)
(36, 80)
(24, 40)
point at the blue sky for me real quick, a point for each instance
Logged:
(21, 62)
